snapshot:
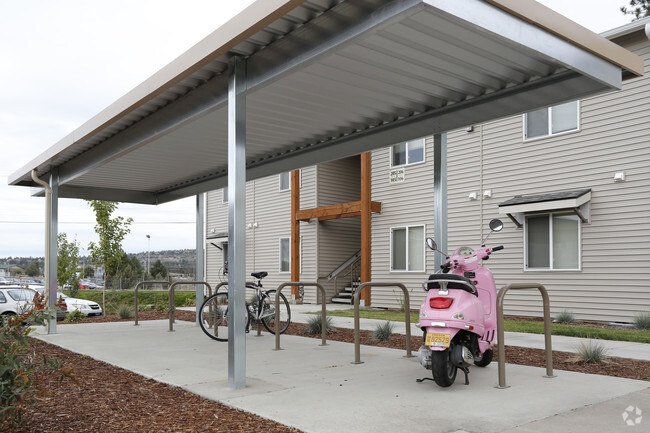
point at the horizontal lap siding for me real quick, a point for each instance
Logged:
(338, 182)
(614, 282)
(402, 204)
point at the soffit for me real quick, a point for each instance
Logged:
(326, 79)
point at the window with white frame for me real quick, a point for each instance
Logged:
(285, 254)
(552, 120)
(407, 249)
(553, 241)
(406, 153)
(224, 196)
(285, 181)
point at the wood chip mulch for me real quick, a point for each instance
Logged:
(111, 399)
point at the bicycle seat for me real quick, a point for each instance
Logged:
(259, 275)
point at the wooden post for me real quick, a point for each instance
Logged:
(366, 225)
(295, 231)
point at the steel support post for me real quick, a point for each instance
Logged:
(440, 195)
(200, 251)
(52, 232)
(236, 223)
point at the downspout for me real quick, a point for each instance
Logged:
(51, 327)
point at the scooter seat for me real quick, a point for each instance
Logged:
(463, 283)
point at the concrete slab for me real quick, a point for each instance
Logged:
(317, 389)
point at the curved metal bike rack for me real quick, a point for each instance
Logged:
(407, 317)
(323, 310)
(137, 287)
(172, 299)
(500, 330)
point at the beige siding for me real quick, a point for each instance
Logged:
(338, 182)
(614, 281)
(407, 203)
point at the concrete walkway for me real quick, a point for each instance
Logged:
(317, 388)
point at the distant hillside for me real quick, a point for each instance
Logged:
(176, 261)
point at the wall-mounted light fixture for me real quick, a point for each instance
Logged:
(487, 193)
(472, 196)
(469, 128)
(619, 177)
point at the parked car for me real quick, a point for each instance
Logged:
(86, 307)
(15, 300)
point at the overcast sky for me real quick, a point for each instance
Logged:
(64, 61)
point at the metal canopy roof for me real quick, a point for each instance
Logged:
(328, 79)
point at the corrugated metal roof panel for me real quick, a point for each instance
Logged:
(327, 79)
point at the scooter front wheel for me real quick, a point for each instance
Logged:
(486, 359)
(444, 371)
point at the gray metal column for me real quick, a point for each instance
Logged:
(52, 233)
(200, 251)
(237, 223)
(440, 195)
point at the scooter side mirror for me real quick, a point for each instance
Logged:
(432, 244)
(496, 225)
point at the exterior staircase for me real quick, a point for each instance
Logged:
(348, 275)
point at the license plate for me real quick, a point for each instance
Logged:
(437, 340)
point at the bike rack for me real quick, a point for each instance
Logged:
(137, 286)
(323, 311)
(501, 333)
(172, 299)
(407, 316)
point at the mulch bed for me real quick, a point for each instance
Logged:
(110, 399)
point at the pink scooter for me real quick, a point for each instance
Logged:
(458, 317)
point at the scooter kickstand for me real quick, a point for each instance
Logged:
(423, 379)
(466, 371)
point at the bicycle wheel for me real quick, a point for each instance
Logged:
(213, 317)
(268, 312)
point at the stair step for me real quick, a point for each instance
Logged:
(339, 300)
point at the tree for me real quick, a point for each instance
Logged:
(67, 262)
(108, 252)
(158, 270)
(32, 269)
(89, 272)
(638, 8)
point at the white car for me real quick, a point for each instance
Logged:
(86, 307)
(15, 300)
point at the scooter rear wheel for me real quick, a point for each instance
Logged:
(444, 371)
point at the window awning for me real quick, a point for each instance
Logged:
(577, 201)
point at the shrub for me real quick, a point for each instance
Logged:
(383, 331)
(20, 373)
(591, 351)
(75, 316)
(125, 311)
(565, 317)
(642, 321)
(315, 325)
(162, 306)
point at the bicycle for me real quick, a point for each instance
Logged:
(213, 315)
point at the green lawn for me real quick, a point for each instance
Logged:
(633, 335)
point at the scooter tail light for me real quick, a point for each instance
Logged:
(440, 303)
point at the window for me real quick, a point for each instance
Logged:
(407, 249)
(553, 241)
(285, 254)
(285, 181)
(224, 197)
(409, 152)
(3, 300)
(552, 120)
